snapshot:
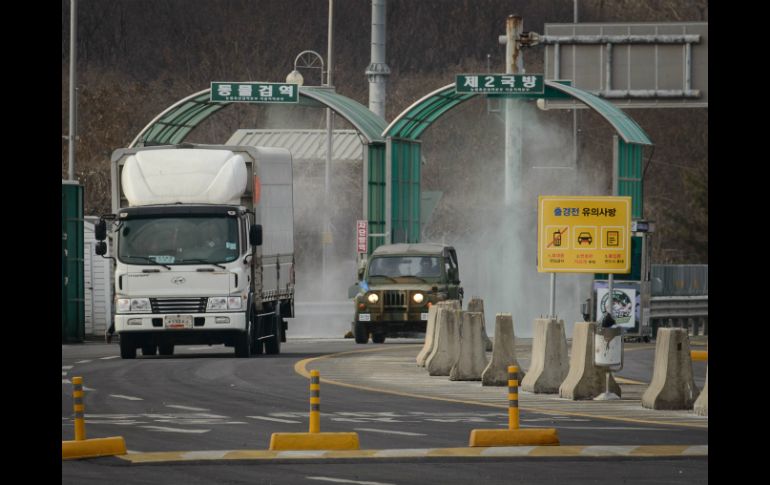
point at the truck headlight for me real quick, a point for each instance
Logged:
(418, 297)
(138, 305)
(216, 303)
(373, 298)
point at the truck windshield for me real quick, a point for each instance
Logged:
(423, 267)
(179, 240)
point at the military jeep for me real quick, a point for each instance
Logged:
(398, 285)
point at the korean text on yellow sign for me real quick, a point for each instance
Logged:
(579, 234)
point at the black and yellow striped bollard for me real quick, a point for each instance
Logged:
(513, 436)
(314, 439)
(82, 447)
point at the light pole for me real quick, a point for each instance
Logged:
(312, 60)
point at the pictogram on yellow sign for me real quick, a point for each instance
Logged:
(579, 234)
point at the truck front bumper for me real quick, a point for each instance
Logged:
(200, 322)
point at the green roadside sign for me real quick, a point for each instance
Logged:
(254, 92)
(500, 83)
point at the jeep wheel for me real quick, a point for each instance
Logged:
(360, 333)
(378, 338)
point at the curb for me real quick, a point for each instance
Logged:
(644, 451)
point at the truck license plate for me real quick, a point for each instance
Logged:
(178, 321)
(364, 317)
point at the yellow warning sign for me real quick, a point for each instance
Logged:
(583, 234)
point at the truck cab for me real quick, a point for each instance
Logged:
(399, 284)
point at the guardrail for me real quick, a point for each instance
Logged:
(689, 312)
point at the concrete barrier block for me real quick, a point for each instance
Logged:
(477, 305)
(447, 347)
(472, 358)
(430, 329)
(672, 385)
(314, 441)
(514, 437)
(503, 353)
(93, 448)
(701, 406)
(585, 380)
(549, 365)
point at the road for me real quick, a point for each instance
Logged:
(202, 400)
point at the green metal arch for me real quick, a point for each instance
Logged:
(174, 124)
(414, 120)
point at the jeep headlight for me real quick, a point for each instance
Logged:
(418, 297)
(137, 305)
(372, 298)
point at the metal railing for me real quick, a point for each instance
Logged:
(689, 312)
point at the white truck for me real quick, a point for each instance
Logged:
(203, 240)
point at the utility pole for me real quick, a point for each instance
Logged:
(73, 81)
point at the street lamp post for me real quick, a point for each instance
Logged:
(312, 60)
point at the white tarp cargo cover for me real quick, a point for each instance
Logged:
(184, 175)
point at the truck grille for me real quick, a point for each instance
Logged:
(178, 305)
(394, 298)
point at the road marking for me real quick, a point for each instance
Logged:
(300, 368)
(110, 357)
(66, 381)
(130, 398)
(175, 430)
(265, 418)
(83, 362)
(342, 480)
(405, 433)
(188, 408)
(67, 367)
(63, 374)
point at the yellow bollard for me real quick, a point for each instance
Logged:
(81, 447)
(513, 436)
(80, 410)
(513, 397)
(699, 355)
(314, 439)
(315, 401)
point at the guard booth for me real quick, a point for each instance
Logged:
(72, 287)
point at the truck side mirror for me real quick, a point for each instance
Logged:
(361, 272)
(101, 248)
(255, 235)
(353, 290)
(100, 230)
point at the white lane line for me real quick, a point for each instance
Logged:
(386, 431)
(130, 398)
(63, 374)
(66, 381)
(187, 408)
(613, 428)
(342, 480)
(83, 362)
(265, 418)
(175, 430)
(110, 357)
(67, 367)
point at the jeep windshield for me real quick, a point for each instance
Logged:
(424, 268)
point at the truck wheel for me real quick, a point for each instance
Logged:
(149, 349)
(360, 333)
(378, 338)
(273, 344)
(127, 348)
(243, 342)
(167, 349)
